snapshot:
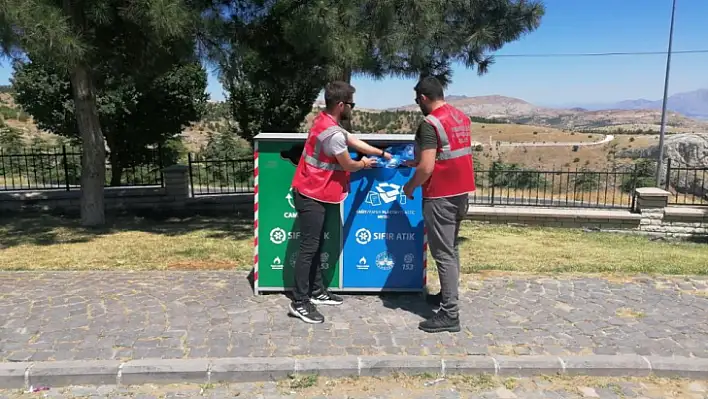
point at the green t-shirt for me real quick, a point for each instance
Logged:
(425, 137)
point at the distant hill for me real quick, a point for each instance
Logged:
(515, 110)
(693, 104)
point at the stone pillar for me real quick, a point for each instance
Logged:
(651, 202)
(177, 184)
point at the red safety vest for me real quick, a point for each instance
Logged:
(454, 169)
(318, 175)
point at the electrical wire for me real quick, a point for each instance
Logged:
(550, 55)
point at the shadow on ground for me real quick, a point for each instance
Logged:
(44, 229)
(411, 303)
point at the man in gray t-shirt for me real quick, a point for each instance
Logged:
(336, 143)
(309, 288)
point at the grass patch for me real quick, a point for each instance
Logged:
(628, 313)
(198, 243)
(53, 243)
(302, 381)
(425, 386)
(555, 250)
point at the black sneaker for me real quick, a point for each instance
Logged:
(326, 298)
(307, 312)
(439, 323)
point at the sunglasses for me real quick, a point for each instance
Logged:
(350, 104)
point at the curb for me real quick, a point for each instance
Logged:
(156, 371)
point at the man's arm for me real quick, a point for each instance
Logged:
(350, 165)
(337, 146)
(362, 147)
(427, 142)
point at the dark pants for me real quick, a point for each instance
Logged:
(308, 275)
(442, 220)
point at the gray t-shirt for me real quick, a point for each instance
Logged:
(335, 144)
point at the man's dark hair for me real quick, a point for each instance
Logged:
(338, 92)
(430, 87)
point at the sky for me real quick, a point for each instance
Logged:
(570, 26)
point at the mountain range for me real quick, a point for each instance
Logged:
(628, 115)
(693, 104)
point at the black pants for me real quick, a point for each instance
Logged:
(308, 276)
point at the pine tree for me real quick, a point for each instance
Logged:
(69, 34)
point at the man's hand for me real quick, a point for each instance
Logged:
(408, 190)
(367, 162)
(386, 156)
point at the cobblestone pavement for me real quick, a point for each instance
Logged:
(106, 315)
(476, 387)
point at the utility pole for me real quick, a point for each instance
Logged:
(662, 132)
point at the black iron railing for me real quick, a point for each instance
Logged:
(220, 176)
(60, 169)
(580, 188)
(688, 185)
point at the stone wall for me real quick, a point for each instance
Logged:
(116, 199)
(651, 215)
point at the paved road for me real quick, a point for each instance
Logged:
(105, 315)
(604, 140)
(408, 388)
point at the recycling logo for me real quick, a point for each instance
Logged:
(408, 258)
(388, 192)
(385, 193)
(363, 236)
(278, 235)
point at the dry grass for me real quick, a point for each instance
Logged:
(548, 250)
(553, 158)
(423, 385)
(628, 313)
(430, 385)
(52, 243)
(528, 133)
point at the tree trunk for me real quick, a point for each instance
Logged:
(93, 153)
(346, 75)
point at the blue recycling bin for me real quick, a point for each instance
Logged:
(383, 233)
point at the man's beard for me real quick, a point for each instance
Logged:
(345, 122)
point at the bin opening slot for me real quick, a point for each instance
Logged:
(401, 153)
(293, 154)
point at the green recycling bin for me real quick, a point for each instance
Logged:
(275, 219)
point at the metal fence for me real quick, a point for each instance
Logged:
(689, 185)
(513, 186)
(498, 184)
(219, 176)
(60, 169)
